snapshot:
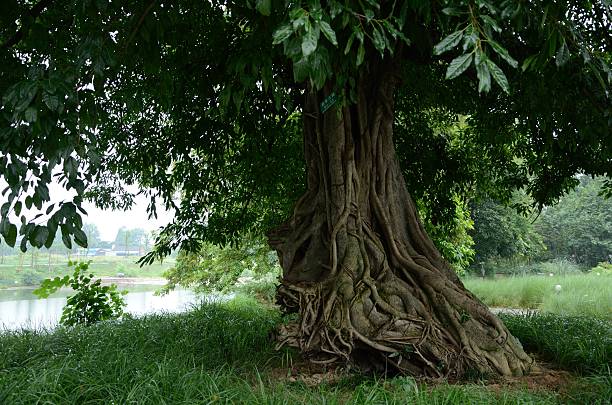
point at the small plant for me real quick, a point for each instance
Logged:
(602, 268)
(92, 302)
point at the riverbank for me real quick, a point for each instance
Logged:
(120, 270)
(222, 353)
(120, 281)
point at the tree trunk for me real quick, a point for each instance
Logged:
(367, 282)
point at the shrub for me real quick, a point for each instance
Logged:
(30, 277)
(603, 268)
(91, 303)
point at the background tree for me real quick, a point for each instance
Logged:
(579, 227)
(130, 239)
(500, 232)
(208, 99)
(93, 235)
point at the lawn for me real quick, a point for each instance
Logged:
(221, 353)
(580, 294)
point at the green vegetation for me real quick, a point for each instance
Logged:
(579, 343)
(222, 353)
(579, 227)
(581, 294)
(575, 232)
(17, 270)
(91, 302)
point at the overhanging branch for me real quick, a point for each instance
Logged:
(34, 12)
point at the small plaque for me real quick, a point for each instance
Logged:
(328, 102)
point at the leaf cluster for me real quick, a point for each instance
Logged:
(91, 303)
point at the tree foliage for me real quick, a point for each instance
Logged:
(500, 232)
(205, 99)
(579, 227)
(216, 268)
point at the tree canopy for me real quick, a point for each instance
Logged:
(205, 99)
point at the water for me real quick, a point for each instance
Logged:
(19, 308)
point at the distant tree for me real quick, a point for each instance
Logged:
(93, 235)
(500, 232)
(579, 227)
(130, 239)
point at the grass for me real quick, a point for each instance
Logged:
(579, 343)
(581, 294)
(19, 271)
(215, 353)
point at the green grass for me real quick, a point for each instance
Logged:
(214, 353)
(18, 271)
(579, 343)
(581, 294)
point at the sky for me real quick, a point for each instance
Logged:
(109, 222)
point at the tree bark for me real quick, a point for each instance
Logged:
(368, 285)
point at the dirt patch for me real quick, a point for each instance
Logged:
(308, 373)
(546, 378)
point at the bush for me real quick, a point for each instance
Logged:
(30, 277)
(92, 301)
(603, 268)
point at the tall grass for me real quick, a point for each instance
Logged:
(582, 294)
(217, 353)
(578, 343)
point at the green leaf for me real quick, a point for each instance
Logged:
(360, 55)
(503, 52)
(11, 235)
(378, 40)
(349, 43)
(80, 238)
(264, 6)
(309, 42)
(458, 65)
(51, 101)
(300, 70)
(281, 34)
(448, 43)
(498, 75)
(491, 22)
(529, 62)
(5, 209)
(31, 114)
(66, 236)
(40, 235)
(452, 11)
(17, 208)
(484, 78)
(329, 33)
(562, 55)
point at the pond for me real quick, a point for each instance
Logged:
(19, 308)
